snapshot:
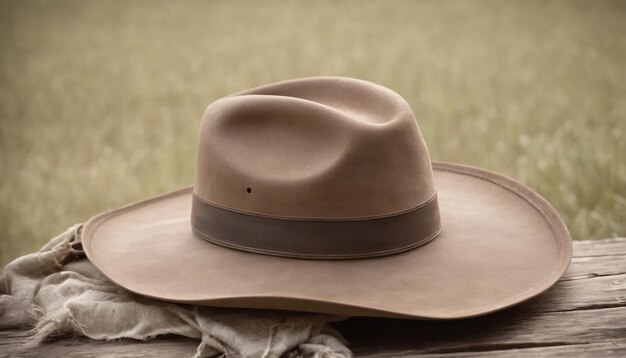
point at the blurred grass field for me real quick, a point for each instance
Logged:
(100, 101)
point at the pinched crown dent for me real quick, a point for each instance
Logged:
(313, 148)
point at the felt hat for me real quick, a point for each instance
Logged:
(319, 195)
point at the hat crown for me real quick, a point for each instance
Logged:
(314, 148)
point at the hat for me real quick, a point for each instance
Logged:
(319, 195)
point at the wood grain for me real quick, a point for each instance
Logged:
(584, 314)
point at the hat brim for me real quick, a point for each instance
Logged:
(501, 244)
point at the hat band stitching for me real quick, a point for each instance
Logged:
(316, 239)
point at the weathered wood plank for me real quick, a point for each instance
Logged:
(584, 293)
(584, 314)
(605, 247)
(594, 266)
(500, 331)
(604, 349)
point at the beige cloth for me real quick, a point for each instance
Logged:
(58, 292)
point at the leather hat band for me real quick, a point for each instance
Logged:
(316, 238)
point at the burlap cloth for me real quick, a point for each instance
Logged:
(58, 292)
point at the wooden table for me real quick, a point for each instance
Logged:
(584, 314)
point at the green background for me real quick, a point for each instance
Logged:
(100, 101)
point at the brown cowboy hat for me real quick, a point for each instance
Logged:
(319, 195)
